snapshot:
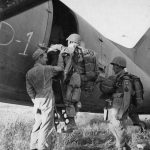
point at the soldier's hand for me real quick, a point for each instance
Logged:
(56, 47)
(100, 79)
(33, 100)
(43, 46)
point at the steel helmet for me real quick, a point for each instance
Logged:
(37, 53)
(74, 38)
(120, 61)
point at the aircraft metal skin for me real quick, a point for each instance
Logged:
(19, 37)
(13, 7)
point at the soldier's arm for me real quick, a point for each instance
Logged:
(54, 70)
(68, 50)
(100, 78)
(60, 61)
(56, 47)
(30, 90)
(68, 67)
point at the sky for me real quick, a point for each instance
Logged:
(122, 21)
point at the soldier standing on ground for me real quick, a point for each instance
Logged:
(119, 89)
(124, 94)
(39, 88)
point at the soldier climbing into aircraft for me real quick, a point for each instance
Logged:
(80, 68)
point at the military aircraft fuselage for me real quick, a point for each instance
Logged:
(23, 30)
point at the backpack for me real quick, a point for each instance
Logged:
(84, 62)
(138, 90)
(138, 97)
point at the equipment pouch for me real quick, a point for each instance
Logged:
(76, 94)
(69, 93)
(118, 105)
(117, 100)
(75, 80)
(70, 111)
(91, 76)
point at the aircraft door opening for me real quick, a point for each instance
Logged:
(64, 23)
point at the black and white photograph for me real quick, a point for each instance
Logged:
(74, 74)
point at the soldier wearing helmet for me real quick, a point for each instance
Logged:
(120, 90)
(72, 80)
(74, 38)
(73, 61)
(80, 66)
(119, 61)
(133, 114)
(39, 88)
(116, 114)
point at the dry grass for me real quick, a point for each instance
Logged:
(15, 136)
(15, 129)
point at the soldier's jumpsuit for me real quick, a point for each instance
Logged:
(73, 90)
(39, 88)
(74, 86)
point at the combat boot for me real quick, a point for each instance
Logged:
(71, 126)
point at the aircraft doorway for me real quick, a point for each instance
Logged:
(64, 23)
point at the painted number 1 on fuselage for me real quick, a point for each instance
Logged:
(29, 35)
